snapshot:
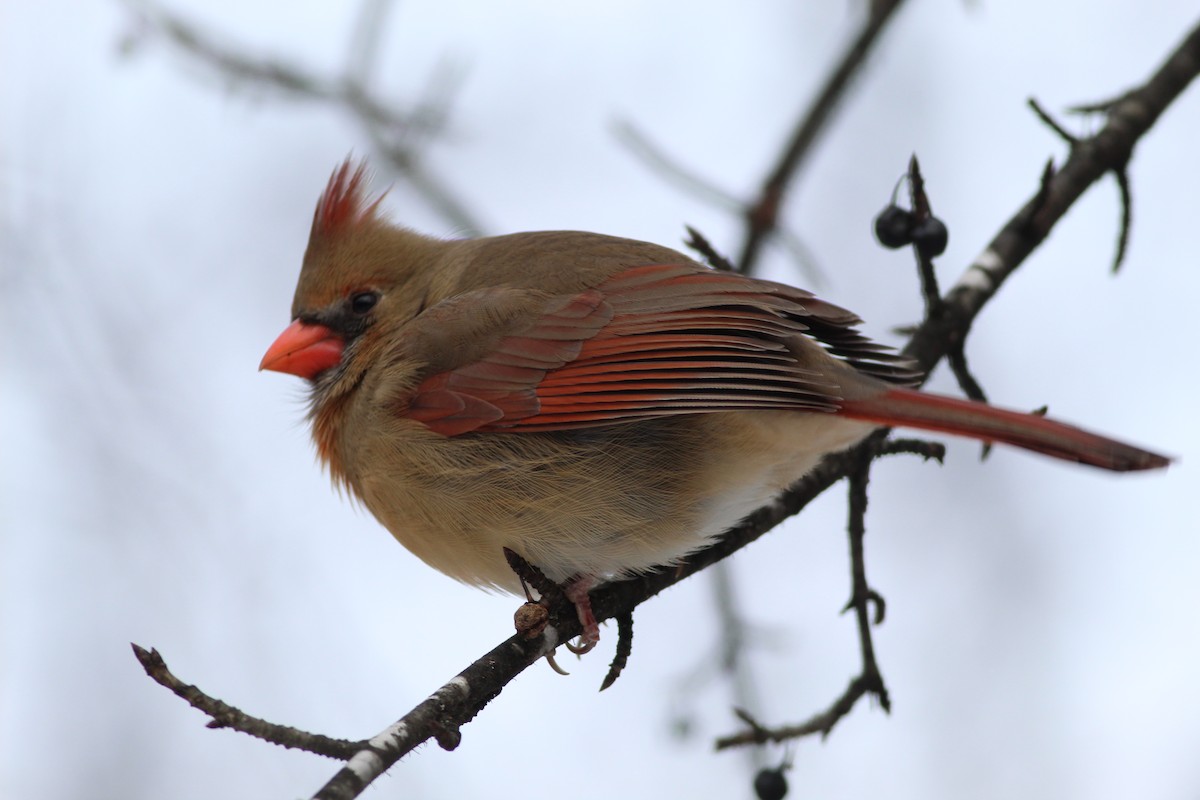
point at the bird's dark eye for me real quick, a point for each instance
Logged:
(362, 302)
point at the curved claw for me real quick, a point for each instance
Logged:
(585, 645)
(554, 664)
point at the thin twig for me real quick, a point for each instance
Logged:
(1126, 196)
(226, 716)
(277, 74)
(364, 43)
(687, 180)
(862, 596)
(549, 591)
(624, 648)
(1128, 120)
(922, 211)
(1120, 171)
(930, 451)
(715, 259)
(763, 215)
(957, 358)
(869, 680)
(397, 135)
(821, 723)
(1051, 123)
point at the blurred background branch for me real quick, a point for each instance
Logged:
(399, 135)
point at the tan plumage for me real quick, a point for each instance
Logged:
(599, 405)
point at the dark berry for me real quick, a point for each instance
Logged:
(769, 784)
(894, 227)
(930, 236)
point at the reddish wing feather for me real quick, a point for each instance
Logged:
(501, 387)
(651, 341)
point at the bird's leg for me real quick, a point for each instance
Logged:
(576, 591)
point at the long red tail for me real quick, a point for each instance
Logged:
(908, 408)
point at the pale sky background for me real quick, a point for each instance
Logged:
(1041, 640)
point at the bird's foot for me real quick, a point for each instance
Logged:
(577, 590)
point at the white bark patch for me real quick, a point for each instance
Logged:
(458, 685)
(366, 763)
(979, 275)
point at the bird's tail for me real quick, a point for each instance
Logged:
(912, 409)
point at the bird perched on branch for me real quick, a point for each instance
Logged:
(598, 405)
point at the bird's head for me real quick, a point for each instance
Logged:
(362, 277)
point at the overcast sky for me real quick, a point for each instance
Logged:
(1041, 639)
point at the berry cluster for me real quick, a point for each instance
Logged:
(896, 227)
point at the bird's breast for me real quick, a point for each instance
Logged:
(610, 500)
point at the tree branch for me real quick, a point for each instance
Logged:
(399, 136)
(224, 715)
(1090, 158)
(948, 321)
(762, 217)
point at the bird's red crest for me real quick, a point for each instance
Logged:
(344, 204)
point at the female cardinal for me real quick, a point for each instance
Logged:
(600, 406)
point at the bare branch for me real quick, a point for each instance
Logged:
(1126, 195)
(862, 595)
(921, 213)
(441, 715)
(1052, 123)
(687, 180)
(1128, 120)
(869, 681)
(713, 257)
(1120, 173)
(1090, 159)
(399, 136)
(624, 648)
(269, 73)
(821, 723)
(364, 46)
(226, 716)
(762, 217)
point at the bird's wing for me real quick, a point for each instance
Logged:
(654, 341)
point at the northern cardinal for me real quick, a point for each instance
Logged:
(601, 406)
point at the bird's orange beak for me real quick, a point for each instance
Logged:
(304, 349)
